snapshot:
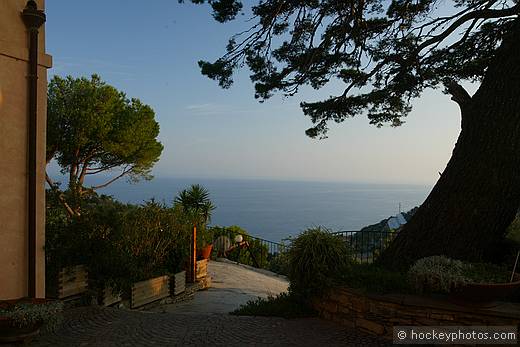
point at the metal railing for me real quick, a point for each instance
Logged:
(254, 251)
(367, 245)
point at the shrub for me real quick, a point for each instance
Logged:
(256, 249)
(437, 274)
(283, 305)
(375, 279)
(25, 313)
(280, 263)
(120, 244)
(317, 259)
(443, 275)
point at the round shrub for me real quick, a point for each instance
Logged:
(316, 259)
(437, 274)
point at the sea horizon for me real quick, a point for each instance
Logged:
(275, 209)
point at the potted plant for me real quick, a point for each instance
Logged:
(487, 283)
(198, 207)
(463, 282)
(22, 319)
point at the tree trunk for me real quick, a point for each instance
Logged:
(477, 196)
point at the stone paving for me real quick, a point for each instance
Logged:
(231, 286)
(203, 321)
(96, 326)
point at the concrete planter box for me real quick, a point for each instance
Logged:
(151, 290)
(178, 283)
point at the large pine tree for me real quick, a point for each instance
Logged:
(386, 53)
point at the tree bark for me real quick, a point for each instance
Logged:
(477, 196)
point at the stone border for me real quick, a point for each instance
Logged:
(378, 314)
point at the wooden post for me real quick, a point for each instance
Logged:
(193, 260)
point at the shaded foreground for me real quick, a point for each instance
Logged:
(95, 326)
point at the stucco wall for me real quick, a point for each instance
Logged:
(14, 52)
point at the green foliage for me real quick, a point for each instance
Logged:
(317, 259)
(513, 231)
(196, 203)
(120, 244)
(93, 128)
(257, 254)
(280, 263)
(283, 305)
(488, 273)
(384, 53)
(26, 313)
(439, 274)
(197, 207)
(372, 278)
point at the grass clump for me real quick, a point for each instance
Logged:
(317, 259)
(282, 305)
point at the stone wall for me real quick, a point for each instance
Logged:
(378, 314)
(14, 68)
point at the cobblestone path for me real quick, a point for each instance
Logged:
(95, 326)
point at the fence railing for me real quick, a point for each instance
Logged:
(367, 245)
(254, 251)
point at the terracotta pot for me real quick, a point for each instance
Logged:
(487, 292)
(205, 252)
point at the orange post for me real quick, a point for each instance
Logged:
(193, 259)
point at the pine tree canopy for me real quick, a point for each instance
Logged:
(385, 53)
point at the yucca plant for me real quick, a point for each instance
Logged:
(197, 206)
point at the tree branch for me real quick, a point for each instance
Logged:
(478, 14)
(59, 193)
(458, 94)
(112, 180)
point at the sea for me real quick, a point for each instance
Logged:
(275, 210)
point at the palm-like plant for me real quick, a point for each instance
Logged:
(196, 203)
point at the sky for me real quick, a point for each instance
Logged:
(150, 49)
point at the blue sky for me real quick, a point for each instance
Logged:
(150, 49)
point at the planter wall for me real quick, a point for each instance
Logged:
(378, 314)
(178, 283)
(71, 281)
(108, 297)
(151, 290)
(202, 269)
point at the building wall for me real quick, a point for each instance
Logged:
(14, 53)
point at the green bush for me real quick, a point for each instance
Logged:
(280, 263)
(440, 274)
(283, 305)
(317, 260)
(437, 274)
(28, 312)
(372, 278)
(256, 249)
(120, 244)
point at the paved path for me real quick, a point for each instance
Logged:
(103, 327)
(231, 286)
(203, 321)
